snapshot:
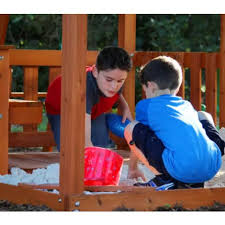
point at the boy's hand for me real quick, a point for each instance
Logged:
(124, 109)
(127, 115)
(134, 174)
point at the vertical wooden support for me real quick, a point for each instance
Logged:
(4, 110)
(30, 89)
(73, 101)
(127, 40)
(222, 72)
(53, 73)
(4, 20)
(211, 85)
(196, 81)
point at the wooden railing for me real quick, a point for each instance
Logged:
(195, 65)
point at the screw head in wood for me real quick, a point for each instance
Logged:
(77, 203)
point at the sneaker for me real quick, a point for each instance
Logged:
(158, 183)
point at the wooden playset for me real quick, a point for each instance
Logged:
(71, 62)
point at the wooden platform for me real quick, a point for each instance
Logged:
(29, 160)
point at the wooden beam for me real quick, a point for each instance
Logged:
(31, 139)
(211, 85)
(73, 101)
(25, 111)
(147, 200)
(195, 81)
(25, 195)
(91, 188)
(27, 57)
(222, 72)
(4, 110)
(127, 40)
(4, 20)
(30, 86)
(21, 94)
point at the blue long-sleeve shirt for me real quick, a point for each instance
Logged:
(189, 155)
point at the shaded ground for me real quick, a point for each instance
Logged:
(7, 206)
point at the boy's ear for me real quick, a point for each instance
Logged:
(95, 72)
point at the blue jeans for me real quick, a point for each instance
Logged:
(54, 121)
(99, 131)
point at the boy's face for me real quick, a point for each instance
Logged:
(110, 81)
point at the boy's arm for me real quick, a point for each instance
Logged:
(88, 130)
(124, 108)
(136, 154)
(133, 171)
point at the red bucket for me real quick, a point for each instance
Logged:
(102, 166)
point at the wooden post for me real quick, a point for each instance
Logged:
(127, 40)
(211, 85)
(30, 85)
(4, 20)
(222, 72)
(196, 81)
(4, 110)
(73, 106)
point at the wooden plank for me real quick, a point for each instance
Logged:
(39, 186)
(21, 94)
(4, 20)
(24, 195)
(30, 86)
(6, 47)
(222, 72)
(127, 40)
(211, 85)
(111, 188)
(31, 139)
(53, 73)
(91, 188)
(4, 110)
(72, 119)
(25, 111)
(140, 58)
(147, 200)
(30, 83)
(195, 81)
(91, 57)
(25, 57)
(28, 161)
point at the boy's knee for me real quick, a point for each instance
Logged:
(128, 131)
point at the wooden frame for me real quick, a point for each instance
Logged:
(71, 195)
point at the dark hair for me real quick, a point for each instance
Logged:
(164, 71)
(111, 58)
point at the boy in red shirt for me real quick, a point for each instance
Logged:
(103, 91)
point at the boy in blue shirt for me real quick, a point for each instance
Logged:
(180, 145)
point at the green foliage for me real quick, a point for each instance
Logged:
(178, 32)
(102, 31)
(154, 33)
(35, 31)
